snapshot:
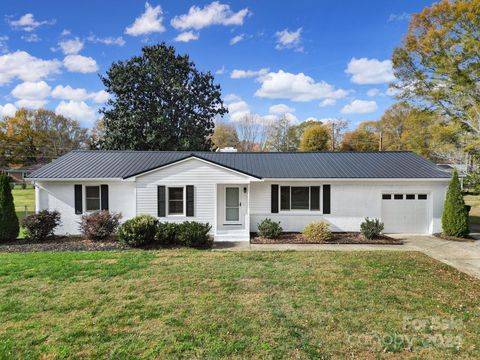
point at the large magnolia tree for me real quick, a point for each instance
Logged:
(160, 101)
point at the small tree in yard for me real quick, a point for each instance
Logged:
(455, 216)
(9, 226)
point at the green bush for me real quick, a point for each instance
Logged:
(138, 231)
(9, 226)
(472, 182)
(317, 231)
(455, 215)
(99, 225)
(371, 228)
(194, 234)
(41, 226)
(166, 233)
(269, 229)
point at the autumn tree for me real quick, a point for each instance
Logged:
(36, 136)
(437, 64)
(360, 139)
(315, 138)
(296, 132)
(279, 135)
(224, 135)
(160, 101)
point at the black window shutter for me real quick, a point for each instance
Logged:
(326, 199)
(161, 201)
(285, 197)
(78, 200)
(190, 200)
(315, 198)
(104, 197)
(274, 199)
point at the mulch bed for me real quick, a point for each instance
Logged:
(468, 238)
(337, 238)
(71, 243)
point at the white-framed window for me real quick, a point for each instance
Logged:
(176, 200)
(92, 198)
(305, 198)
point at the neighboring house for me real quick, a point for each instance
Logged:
(19, 175)
(235, 191)
(462, 170)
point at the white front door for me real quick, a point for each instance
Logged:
(232, 205)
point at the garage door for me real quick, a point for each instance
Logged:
(405, 213)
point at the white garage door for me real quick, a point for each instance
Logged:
(406, 213)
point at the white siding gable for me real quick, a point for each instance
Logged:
(204, 176)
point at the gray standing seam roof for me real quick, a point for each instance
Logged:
(99, 164)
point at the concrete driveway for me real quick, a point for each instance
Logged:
(464, 256)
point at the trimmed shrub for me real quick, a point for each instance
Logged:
(9, 225)
(317, 231)
(194, 234)
(371, 228)
(138, 231)
(99, 225)
(166, 233)
(455, 215)
(41, 226)
(270, 229)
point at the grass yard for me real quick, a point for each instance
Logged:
(22, 198)
(194, 304)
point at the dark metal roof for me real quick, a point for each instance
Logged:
(85, 164)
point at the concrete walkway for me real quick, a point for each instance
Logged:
(464, 256)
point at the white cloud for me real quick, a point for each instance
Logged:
(28, 23)
(30, 104)
(7, 110)
(81, 64)
(360, 107)
(31, 90)
(213, 14)
(187, 36)
(26, 67)
(289, 39)
(79, 94)
(109, 40)
(220, 71)
(65, 32)
(370, 71)
(31, 38)
(281, 109)
(290, 117)
(231, 97)
(71, 46)
(149, 22)
(77, 110)
(327, 102)
(236, 39)
(374, 92)
(237, 108)
(3, 44)
(404, 16)
(243, 74)
(296, 87)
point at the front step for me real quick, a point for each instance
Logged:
(232, 235)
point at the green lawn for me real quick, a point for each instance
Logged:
(22, 198)
(194, 304)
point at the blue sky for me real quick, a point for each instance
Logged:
(321, 59)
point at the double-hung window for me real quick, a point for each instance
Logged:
(299, 198)
(92, 198)
(176, 201)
